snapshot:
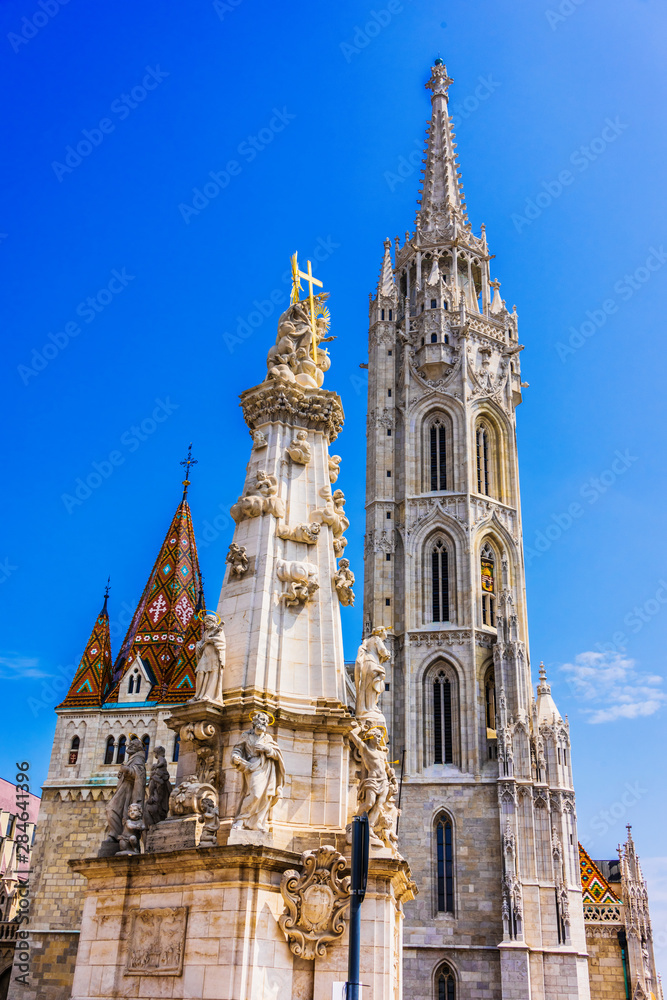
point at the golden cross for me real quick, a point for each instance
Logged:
(296, 288)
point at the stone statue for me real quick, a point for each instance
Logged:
(130, 838)
(211, 818)
(262, 498)
(260, 760)
(294, 357)
(369, 677)
(159, 790)
(237, 559)
(307, 533)
(210, 661)
(374, 790)
(334, 467)
(299, 450)
(333, 514)
(259, 440)
(343, 582)
(131, 790)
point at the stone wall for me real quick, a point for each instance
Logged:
(605, 963)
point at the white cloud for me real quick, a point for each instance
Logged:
(613, 687)
(14, 667)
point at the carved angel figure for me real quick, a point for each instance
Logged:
(159, 790)
(299, 450)
(210, 661)
(259, 498)
(374, 786)
(369, 676)
(130, 838)
(260, 760)
(237, 559)
(333, 514)
(211, 818)
(334, 467)
(343, 582)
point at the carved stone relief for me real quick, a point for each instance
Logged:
(156, 942)
(316, 901)
(301, 580)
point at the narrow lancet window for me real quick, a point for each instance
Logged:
(445, 873)
(438, 443)
(483, 461)
(108, 753)
(488, 586)
(440, 582)
(442, 720)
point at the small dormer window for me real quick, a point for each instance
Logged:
(134, 683)
(434, 303)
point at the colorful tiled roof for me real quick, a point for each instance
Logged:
(595, 887)
(165, 629)
(92, 681)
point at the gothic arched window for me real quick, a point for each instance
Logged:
(439, 582)
(134, 684)
(444, 845)
(146, 742)
(108, 753)
(120, 754)
(438, 455)
(443, 732)
(490, 700)
(483, 446)
(445, 984)
(177, 747)
(488, 585)
(74, 750)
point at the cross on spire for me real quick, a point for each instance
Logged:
(296, 288)
(188, 462)
(106, 594)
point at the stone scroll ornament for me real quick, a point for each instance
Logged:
(259, 498)
(258, 757)
(131, 790)
(316, 902)
(210, 653)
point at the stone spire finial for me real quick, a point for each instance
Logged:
(546, 706)
(442, 201)
(386, 284)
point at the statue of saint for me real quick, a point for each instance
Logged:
(159, 790)
(259, 758)
(376, 785)
(131, 790)
(369, 676)
(210, 661)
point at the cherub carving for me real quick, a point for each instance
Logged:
(343, 582)
(299, 450)
(237, 559)
(334, 467)
(130, 838)
(211, 817)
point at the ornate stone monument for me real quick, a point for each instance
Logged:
(235, 897)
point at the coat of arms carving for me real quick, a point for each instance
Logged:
(316, 902)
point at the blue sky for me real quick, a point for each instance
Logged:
(131, 323)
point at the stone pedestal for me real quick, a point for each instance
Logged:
(205, 924)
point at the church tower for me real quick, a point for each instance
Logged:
(487, 810)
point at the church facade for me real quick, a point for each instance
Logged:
(478, 887)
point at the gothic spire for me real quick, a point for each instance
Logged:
(92, 680)
(442, 202)
(386, 284)
(546, 706)
(164, 629)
